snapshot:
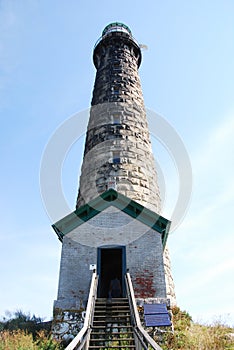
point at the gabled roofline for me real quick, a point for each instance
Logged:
(117, 200)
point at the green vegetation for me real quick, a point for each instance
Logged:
(189, 335)
(19, 331)
(21, 340)
(19, 320)
(23, 332)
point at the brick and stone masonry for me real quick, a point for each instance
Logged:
(118, 148)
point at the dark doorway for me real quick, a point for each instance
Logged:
(111, 264)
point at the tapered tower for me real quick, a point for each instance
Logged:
(117, 224)
(118, 150)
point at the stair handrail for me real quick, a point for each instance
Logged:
(83, 336)
(140, 332)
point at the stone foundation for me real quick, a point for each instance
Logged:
(67, 324)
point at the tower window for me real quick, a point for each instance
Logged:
(116, 89)
(116, 157)
(116, 118)
(116, 65)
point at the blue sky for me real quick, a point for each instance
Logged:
(187, 76)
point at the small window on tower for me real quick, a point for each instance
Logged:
(116, 118)
(115, 89)
(116, 65)
(116, 157)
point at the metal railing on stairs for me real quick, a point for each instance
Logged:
(81, 341)
(142, 339)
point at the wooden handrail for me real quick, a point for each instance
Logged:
(84, 333)
(140, 331)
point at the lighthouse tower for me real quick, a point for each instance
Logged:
(118, 150)
(117, 224)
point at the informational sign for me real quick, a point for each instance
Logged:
(156, 315)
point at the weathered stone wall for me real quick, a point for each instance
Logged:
(118, 150)
(117, 154)
(75, 276)
(144, 257)
(112, 227)
(121, 153)
(67, 324)
(117, 58)
(145, 263)
(169, 278)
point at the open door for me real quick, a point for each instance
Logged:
(111, 264)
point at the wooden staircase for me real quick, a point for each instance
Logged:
(112, 324)
(112, 327)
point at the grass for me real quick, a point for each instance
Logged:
(21, 340)
(189, 335)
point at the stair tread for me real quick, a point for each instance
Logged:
(125, 309)
(105, 323)
(106, 305)
(104, 318)
(109, 312)
(113, 300)
(111, 306)
(105, 299)
(112, 316)
(111, 323)
(111, 347)
(114, 334)
(124, 326)
(111, 339)
(112, 303)
(112, 312)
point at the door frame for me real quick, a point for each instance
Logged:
(123, 264)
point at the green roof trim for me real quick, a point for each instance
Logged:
(117, 200)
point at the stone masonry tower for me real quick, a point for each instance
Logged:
(116, 225)
(118, 151)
